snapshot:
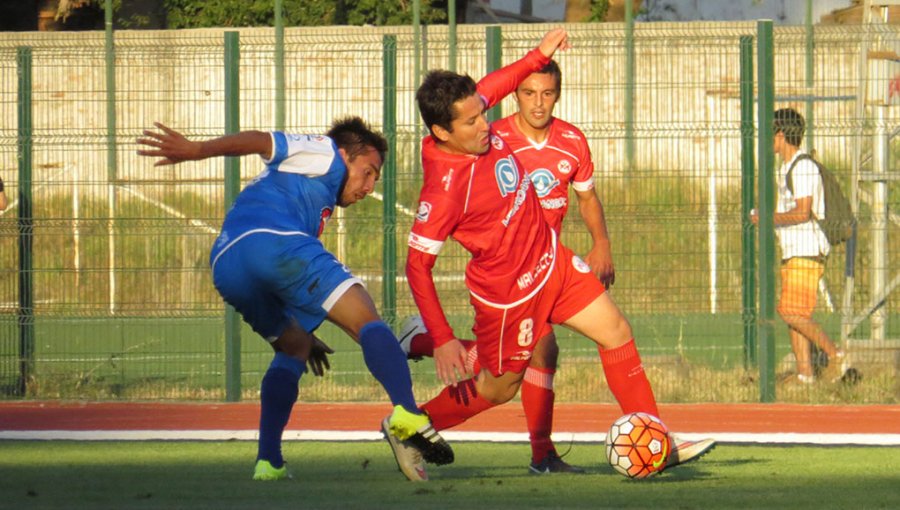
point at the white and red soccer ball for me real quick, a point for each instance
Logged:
(638, 445)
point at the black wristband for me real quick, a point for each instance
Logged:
(1, 185)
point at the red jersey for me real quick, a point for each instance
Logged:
(487, 204)
(563, 158)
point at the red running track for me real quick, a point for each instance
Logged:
(576, 418)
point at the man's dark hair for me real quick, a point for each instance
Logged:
(789, 122)
(356, 137)
(552, 68)
(438, 92)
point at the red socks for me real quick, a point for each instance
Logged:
(627, 380)
(537, 401)
(454, 405)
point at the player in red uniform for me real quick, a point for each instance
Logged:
(520, 278)
(555, 154)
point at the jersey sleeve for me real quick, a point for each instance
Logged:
(583, 180)
(435, 221)
(310, 155)
(500, 83)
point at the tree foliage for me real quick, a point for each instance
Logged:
(242, 13)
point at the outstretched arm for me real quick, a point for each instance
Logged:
(500, 83)
(172, 147)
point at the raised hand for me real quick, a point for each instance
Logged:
(169, 145)
(556, 39)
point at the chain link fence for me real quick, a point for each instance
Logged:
(115, 300)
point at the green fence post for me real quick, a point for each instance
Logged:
(232, 188)
(112, 165)
(279, 67)
(25, 221)
(494, 46)
(451, 34)
(629, 85)
(766, 107)
(748, 195)
(810, 70)
(389, 180)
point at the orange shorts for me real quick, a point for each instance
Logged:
(799, 286)
(506, 337)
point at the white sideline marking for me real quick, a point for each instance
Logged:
(498, 437)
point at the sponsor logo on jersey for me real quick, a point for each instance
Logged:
(571, 135)
(424, 212)
(507, 175)
(323, 219)
(496, 142)
(521, 356)
(527, 280)
(424, 244)
(447, 179)
(521, 193)
(564, 166)
(554, 203)
(544, 181)
(580, 265)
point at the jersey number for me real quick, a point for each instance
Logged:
(526, 332)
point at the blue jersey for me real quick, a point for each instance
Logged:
(296, 193)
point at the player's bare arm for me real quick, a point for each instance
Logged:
(600, 256)
(801, 213)
(172, 147)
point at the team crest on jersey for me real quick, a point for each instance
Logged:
(496, 142)
(424, 212)
(325, 216)
(507, 174)
(564, 166)
(544, 181)
(580, 265)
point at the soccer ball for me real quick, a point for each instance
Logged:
(637, 445)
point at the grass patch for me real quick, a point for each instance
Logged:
(343, 475)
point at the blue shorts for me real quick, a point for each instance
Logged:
(274, 278)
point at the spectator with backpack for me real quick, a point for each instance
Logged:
(799, 217)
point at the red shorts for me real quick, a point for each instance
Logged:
(506, 337)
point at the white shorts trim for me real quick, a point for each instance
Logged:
(339, 291)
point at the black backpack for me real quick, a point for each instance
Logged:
(839, 220)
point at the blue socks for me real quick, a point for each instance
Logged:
(278, 394)
(388, 364)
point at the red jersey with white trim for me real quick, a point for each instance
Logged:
(562, 159)
(487, 204)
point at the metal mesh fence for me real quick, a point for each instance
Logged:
(123, 305)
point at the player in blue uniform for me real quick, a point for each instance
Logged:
(269, 264)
